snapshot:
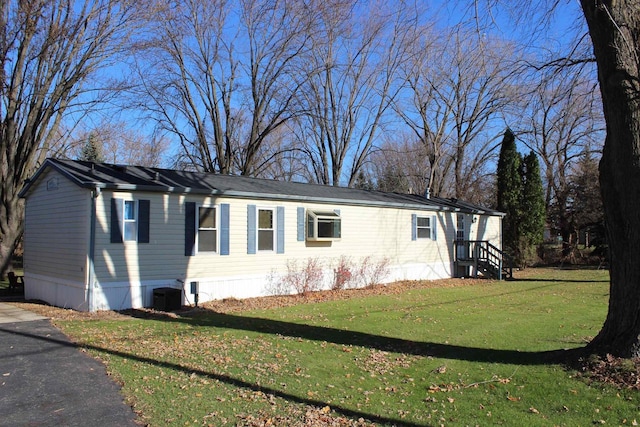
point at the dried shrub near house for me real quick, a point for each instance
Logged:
(371, 272)
(305, 278)
(342, 273)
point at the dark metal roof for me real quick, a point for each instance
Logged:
(138, 178)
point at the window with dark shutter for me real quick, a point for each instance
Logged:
(116, 223)
(189, 228)
(130, 220)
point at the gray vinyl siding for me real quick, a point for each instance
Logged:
(129, 261)
(56, 231)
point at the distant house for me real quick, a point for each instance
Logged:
(101, 236)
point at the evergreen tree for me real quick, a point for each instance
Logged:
(586, 208)
(509, 194)
(363, 182)
(393, 180)
(532, 207)
(91, 150)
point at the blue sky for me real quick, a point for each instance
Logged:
(522, 26)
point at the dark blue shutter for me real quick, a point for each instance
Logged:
(414, 227)
(224, 229)
(144, 207)
(116, 220)
(251, 229)
(280, 229)
(300, 224)
(337, 225)
(434, 228)
(189, 228)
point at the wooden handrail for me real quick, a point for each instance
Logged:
(483, 251)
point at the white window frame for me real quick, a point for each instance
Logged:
(419, 227)
(133, 220)
(216, 228)
(316, 216)
(273, 228)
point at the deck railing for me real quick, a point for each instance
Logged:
(482, 256)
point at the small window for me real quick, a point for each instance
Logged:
(207, 229)
(323, 226)
(423, 227)
(129, 218)
(266, 231)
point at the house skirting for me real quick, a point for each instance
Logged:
(56, 291)
(125, 295)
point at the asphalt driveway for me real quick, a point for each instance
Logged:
(46, 381)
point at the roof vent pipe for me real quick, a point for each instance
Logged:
(427, 191)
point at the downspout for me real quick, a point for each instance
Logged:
(95, 193)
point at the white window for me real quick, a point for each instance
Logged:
(207, 229)
(423, 227)
(130, 220)
(323, 226)
(266, 230)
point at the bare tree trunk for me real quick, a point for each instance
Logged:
(615, 30)
(11, 227)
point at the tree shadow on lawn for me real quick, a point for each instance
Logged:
(203, 317)
(558, 280)
(236, 382)
(501, 294)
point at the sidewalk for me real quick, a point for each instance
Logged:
(46, 381)
(11, 314)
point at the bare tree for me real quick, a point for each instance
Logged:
(458, 91)
(426, 113)
(220, 76)
(51, 50)
(562, 119)
(614, 29)
(118, 144)
(397, 165)
(353, 69)
(281, 158)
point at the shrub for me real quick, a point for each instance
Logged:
(308, 278)
(373, 273)
(342, 275)
(276, 285)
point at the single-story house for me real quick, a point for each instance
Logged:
(104, 237)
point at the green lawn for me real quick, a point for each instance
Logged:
(471, 355)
